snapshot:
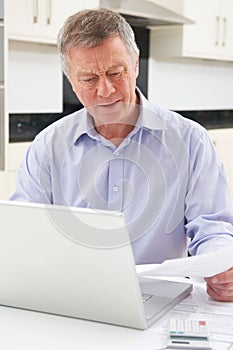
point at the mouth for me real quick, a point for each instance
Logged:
(108, 105)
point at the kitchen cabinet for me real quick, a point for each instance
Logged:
(40, 20)
(2, 129)
(1, 54)
(1, 10)
(223, 141)
(16, 153)
(2, 87)
(210, 37)
(4, 185)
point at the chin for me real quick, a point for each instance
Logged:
(111, 114)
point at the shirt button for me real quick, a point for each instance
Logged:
(115, 189)
(116, 153)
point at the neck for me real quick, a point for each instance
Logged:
(116, 132)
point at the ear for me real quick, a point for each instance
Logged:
(69, 80)
(137, 66)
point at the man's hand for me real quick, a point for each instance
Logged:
(220, 287)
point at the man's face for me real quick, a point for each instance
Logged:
(104, 80)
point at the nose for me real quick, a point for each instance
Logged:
(105, 87)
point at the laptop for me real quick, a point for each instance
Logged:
(77, 262)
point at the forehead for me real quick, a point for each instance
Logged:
(111, 52)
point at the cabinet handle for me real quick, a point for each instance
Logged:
(217, 30)
(224, 31)
(49, 11)
(35, 11)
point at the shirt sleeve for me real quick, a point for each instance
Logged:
(33, 183)
(208, 207)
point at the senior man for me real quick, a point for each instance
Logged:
(120, 152)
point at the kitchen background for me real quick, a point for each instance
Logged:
(186, 68)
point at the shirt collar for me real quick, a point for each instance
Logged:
(86, 124)
(149, 118)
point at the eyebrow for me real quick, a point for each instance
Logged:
(89, 72)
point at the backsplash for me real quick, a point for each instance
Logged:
(216, 119)
(24, 127)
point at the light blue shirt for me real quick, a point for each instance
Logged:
(165, 176)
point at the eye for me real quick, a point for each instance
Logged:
(115, 75)
(88, 80)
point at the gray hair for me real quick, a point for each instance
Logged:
(89, 28)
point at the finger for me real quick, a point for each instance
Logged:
(222, 286)
(220, 295)
(224, 277)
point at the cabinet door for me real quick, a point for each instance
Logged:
(32, 20)
(55, 13)
(23, 18)
(40, 20)
(1, 55)
(1, 11)
(202, 38)
(210, 37)
(2, 130)
(4, 186)
(226, 33)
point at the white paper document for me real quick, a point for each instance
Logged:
(218, 315)
(204, 265)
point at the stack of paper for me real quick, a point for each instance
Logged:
(204, 265)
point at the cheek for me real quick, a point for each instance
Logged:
(131, 77)
(86, 97)
(129, 83)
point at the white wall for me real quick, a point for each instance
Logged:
(193, 85)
